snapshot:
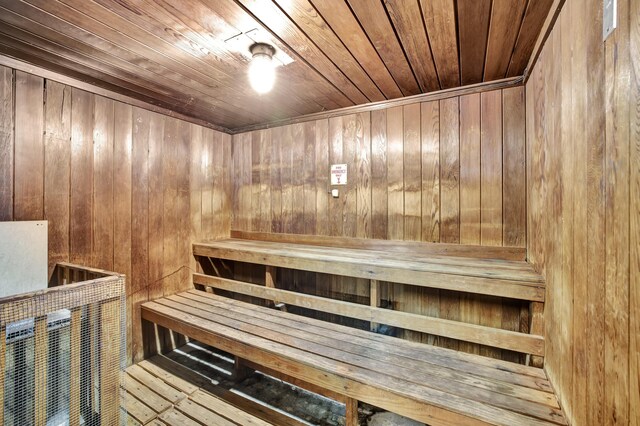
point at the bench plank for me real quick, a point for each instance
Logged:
(374, 361)
(504, 339)
(481, 276)
(422, 248)
(342, 339)
(370, 386)
(471, 364)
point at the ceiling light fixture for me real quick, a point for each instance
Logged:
(262, 70)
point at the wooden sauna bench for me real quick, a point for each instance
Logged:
(430, 384)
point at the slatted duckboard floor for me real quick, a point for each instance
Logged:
(191, 387)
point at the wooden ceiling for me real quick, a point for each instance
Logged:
(173, 53)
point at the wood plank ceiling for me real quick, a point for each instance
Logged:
(346, 52)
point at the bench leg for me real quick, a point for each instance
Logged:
(240, 370)
(351, 412)
(374, 300)
(536, 316)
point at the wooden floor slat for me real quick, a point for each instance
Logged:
(162, 392)
(297, 338)
(336, 375)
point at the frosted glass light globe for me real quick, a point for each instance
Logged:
(262, 73)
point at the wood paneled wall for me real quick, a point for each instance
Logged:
(451, 171)
(583, 133)
(123, 189)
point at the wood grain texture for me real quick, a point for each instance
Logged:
(345, 52)
(111, 198)
(396, 159)
(506, 18)
(491, 169)
(449, 171)
(439, 17)
(473, 29)
(513, 168)
(580, 146)
(57, 157)
(6, 143)
(29, 150)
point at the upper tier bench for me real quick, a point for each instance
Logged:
(494, 271)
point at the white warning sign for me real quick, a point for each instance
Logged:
(338, 174)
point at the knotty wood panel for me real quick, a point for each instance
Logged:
(117, 184)
(582, 126)
(415, 172)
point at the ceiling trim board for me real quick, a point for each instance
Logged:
(549, 23)
(374, 106)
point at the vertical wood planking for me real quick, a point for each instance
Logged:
(470, 198)
(297, 178)
(256, 163)
(122, 195)
(513, 160)
(594, 329)
(411, 298)
(573, 137)
(491, 196)
(81, 187)
(57, 159)
(322, 176)
(395, 175)
(275, 175)
(137, 291)
(264, 223)
(412, 173)
(363, 175)
(379, 174)
(29, 147)
(286, 176)
(491, 168)
(470, 169)
(181, 232)
(200, 188)
(513, 189)
(335, 157)
(6, 142)
(349, 197)
(85, 164)
(169, 257)
(449, 171)
(103, 217)
(634, 210)
(430, 156)
(449, 302)
(156, 204)
(395, 188)
(617, 176)
(582, 142)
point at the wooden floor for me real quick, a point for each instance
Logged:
(160, 392)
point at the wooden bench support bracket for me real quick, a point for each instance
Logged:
(351, 412)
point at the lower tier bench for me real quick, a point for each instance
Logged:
(429, 384)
